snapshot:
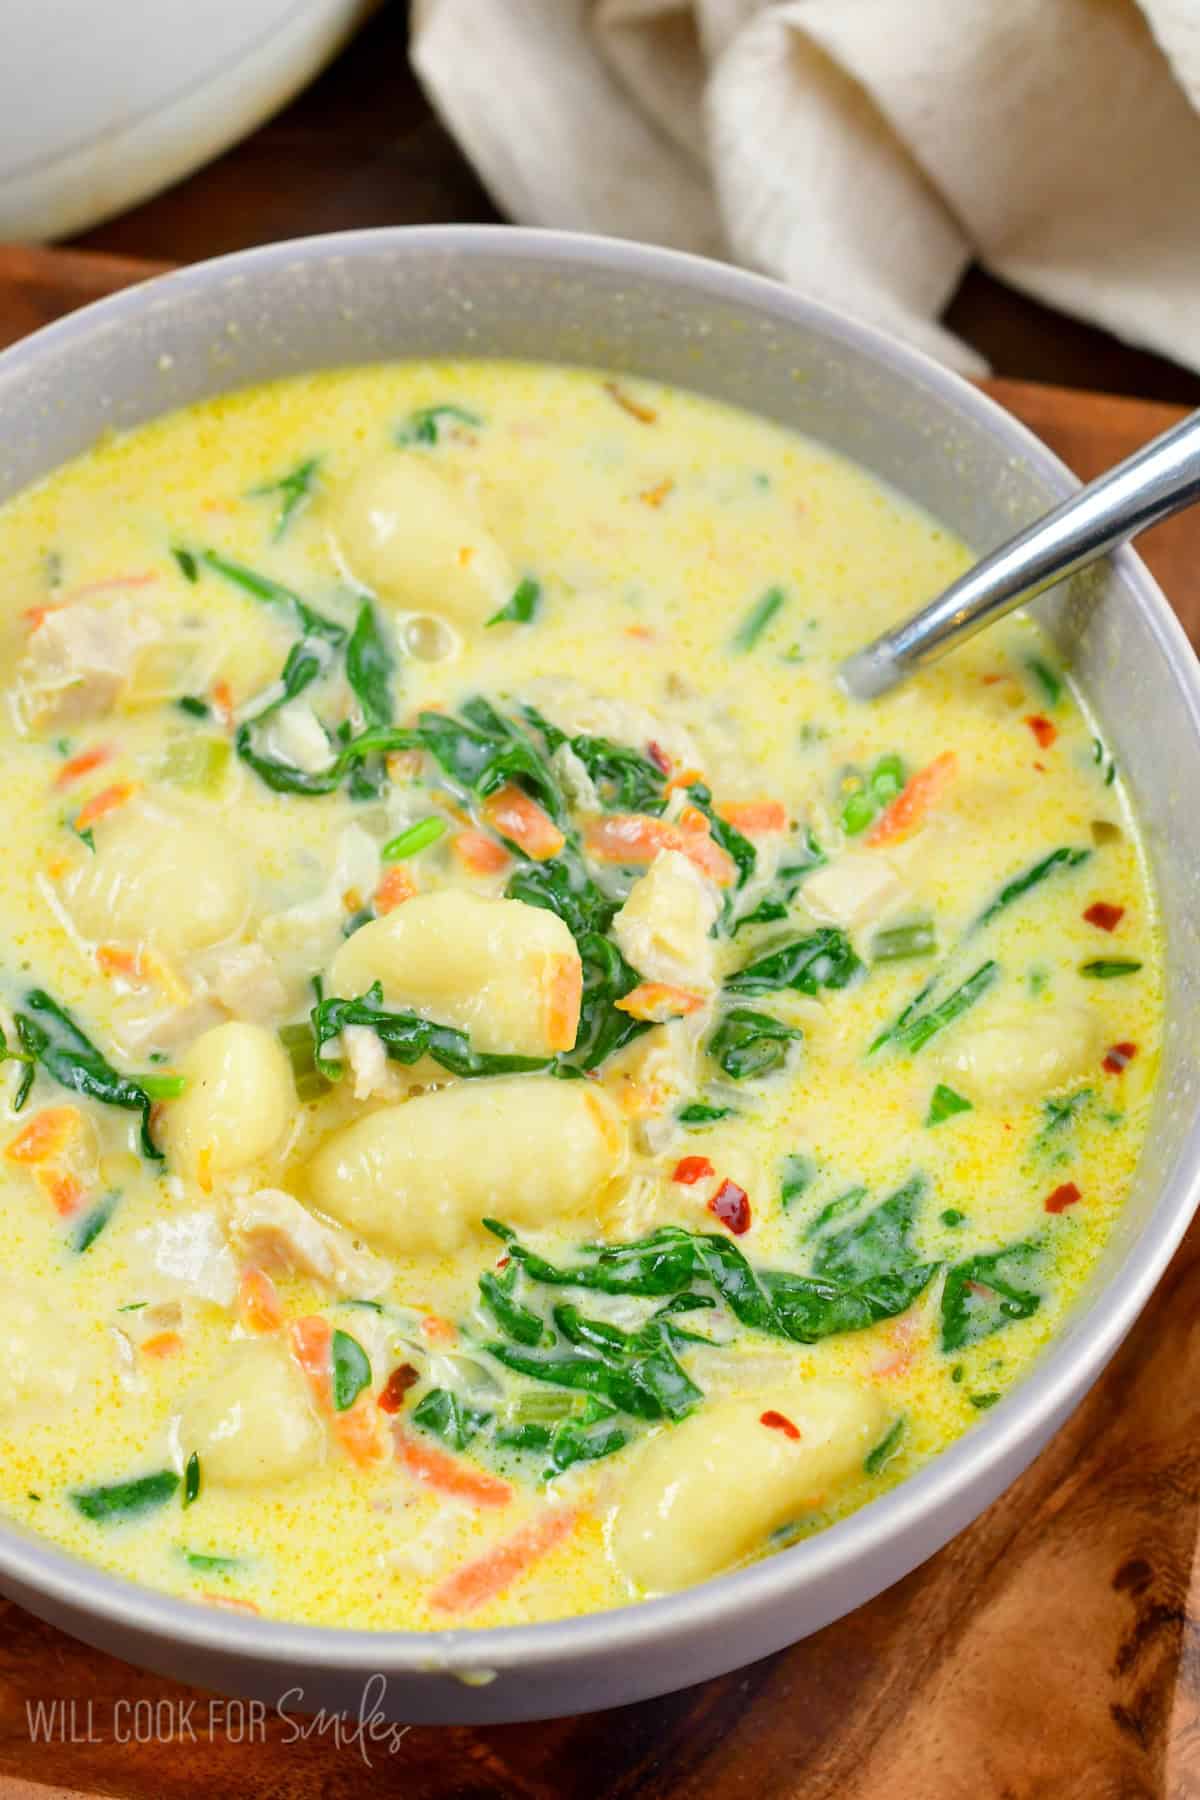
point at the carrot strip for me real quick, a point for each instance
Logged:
(563, 990)
(634, 838)
(481, 855)
(63, 1190)
(657, 1001)
(259, 1305)
(106, 801)
(357, 1428)
(229, 1602)
(436, 1330)
(396, 887)
(451, 1475)
(44, 1135)
(637, 409)
(222, 702)
(512, 814)
(915, 799)
(485, 1576)
(83, 763)
(163, 1343)
(136, 579)
(756, 818)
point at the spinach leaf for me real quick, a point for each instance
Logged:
(449, 1418)
(1063, 858)
(985, 1293)
(515, 1320)
(875, 1245)
(89, 1227)
(698, 1113)
(351, 1370)
(522, 609)
(407, 1037)
(294, 490)
(603, 1030)
(274, 593)
(1047, 678)
(837, 1208)
(747, 1044)
(625, 780)
(801, 860)
(483, 751)
(796, 1173)
(191, 1479)
(739, 848)
(49, 1036)
(944, 1103)
(424, 425)
(883, 1452)
(914, 1028)
(286, 778)
(562, 885)
(370, 666)
(125, 1499)
(811, 1307)
(825, 958)
(1108, 968)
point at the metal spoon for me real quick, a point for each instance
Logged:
(1156, 481)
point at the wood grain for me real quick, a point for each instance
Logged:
(1053, 1649)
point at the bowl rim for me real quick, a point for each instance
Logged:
(1064, 1368)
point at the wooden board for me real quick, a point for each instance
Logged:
(1050, 1650)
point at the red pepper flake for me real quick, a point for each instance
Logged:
(1043, 730)
(1062, 1197)
(391, 1400)
(502, 1262)
(659, 757)
(691, 1169)
(1105, 915)
(731, 1205)
(778, 1421)
(1118, 1057)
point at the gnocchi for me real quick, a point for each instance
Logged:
(507, 973)
(159, 879)
(704, 1496)
(253, 1424)
(237, 1103)
(421, 1176)
(403, 532)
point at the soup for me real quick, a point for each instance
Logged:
(519, 1094)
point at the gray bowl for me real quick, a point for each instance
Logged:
(495, 292)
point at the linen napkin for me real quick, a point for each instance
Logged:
(861, 150)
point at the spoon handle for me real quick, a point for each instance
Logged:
(1161, 478)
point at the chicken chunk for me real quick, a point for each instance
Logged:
(272, 1229)
(854, 890)
(664, 927)
(78, 661)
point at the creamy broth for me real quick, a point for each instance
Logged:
(429, 801)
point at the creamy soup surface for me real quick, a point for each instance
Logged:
(519, 1095)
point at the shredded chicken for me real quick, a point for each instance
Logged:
(185, 1257)
(271, 1228)
(246, 982)
(663, 928)
(369, 1064)
(854, 890)
(78, 660)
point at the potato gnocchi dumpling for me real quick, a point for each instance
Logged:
(506, 973)
(424, 1175)
(516, 1093)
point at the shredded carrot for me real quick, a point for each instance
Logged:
(512, 814)
(450, 1475)
(83, 763)
(361, 1432)
(312, 1340)
(64, 1190)
(757, 818)
(163, 1343)
(1043, 729)
(684, 778)
(563, 991)
(108, 800)
(485, 1576)
(911, 804)
(37, 615)
(230, 1602)
(259, 1306)
(637, 409)
(135, 579)
(204, 1168)
(643, 633)
(654, 496)
(657, 1001)
(481, 855)
(44, 1135)
(357, 1429)
(634, 838)
(396, 887)
(221, 695)
(437, 1330)
(117, 959)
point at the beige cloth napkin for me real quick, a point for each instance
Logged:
(861, 150)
